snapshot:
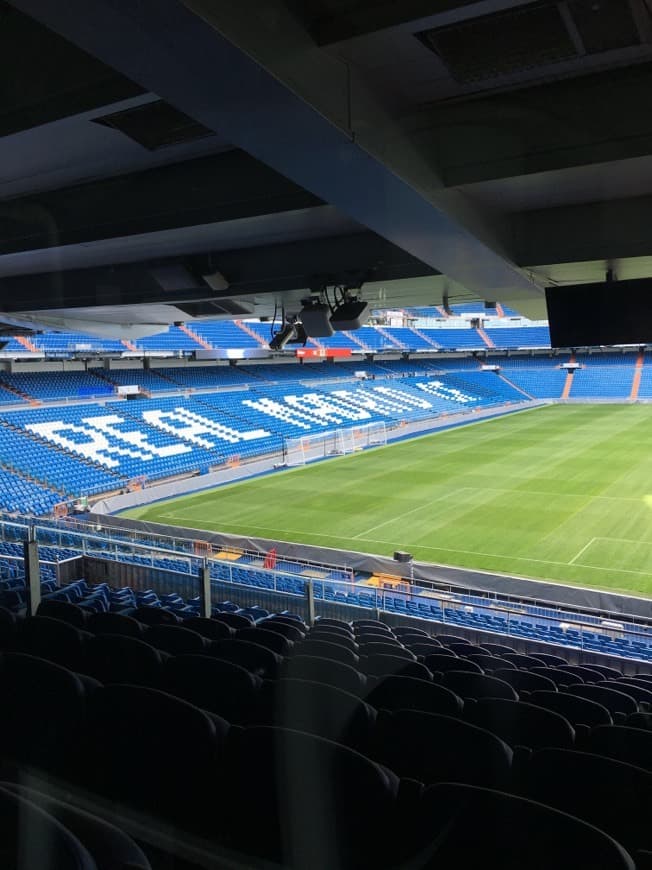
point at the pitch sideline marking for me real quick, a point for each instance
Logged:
(414, 510)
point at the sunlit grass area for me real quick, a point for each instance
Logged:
(562, 492)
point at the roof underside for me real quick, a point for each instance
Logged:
(423, 150)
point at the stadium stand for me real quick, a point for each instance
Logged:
(370, 739)
(603, 376)
(539, 377)
(522, 336)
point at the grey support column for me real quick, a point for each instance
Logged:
(310, 599)
(205, 589)
(32, 572)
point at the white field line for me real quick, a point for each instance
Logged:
(408, 513)
(582, 551)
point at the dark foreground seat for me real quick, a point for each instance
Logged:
(303, 801)
(432, 748)
(482, 828)
(611, 795)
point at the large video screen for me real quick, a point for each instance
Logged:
(617, 312)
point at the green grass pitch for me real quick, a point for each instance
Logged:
(562, 492)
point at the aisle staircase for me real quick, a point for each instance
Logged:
(252, 332)
(423, 336)
(388, 335)
(353, 337)
(129, 345)
(195, 337)
(26, 343)
(483, 335)
(636, 380)
(568, 383)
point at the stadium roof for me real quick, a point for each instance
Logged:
(425, 149)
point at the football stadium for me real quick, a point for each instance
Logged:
(326, 435)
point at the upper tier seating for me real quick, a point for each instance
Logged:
(226, 334)
(521, 336)
(456, 339)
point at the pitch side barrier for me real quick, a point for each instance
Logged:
(141, 565)
(332, 599)
(514, 590)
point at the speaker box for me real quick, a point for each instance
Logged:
(401, 556)
(316, 321)
(350, 315)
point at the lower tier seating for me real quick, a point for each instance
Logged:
(337, 745)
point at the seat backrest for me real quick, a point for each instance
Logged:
(578, 711)
(63, 610)
(559, 678)
(327, 650)
(637, 691)
(211, 629)
(52, 639)
(410, 693)
(498, 649)
(375, 624)
(632, 745)
(425, 649)
(108, 845)
(213, 684)
(134, 771)
(466, 649)
(315, 803)
(291, 632)
(115, 623)
(525, 681)
(409, 638)
(233, 620)
(550, 660)
(338, 637)
(431, 748)
(607, 672)
(586, 674)
(253, 657)
(117, 658)
(508, 831)
(328, 671)
(489, 663)
(32, 837)
(451, 638)
(382, 665)
(270, 639)
(155, 616)
(367, 638)
(317, 708)
(44, 713)
(175, 639)
(523, 661)
(521, 724)
(610, 794)
(336, 623)
(436, 662)
(615, 700)
(387, 649)
(410, 631)
(470, 685)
